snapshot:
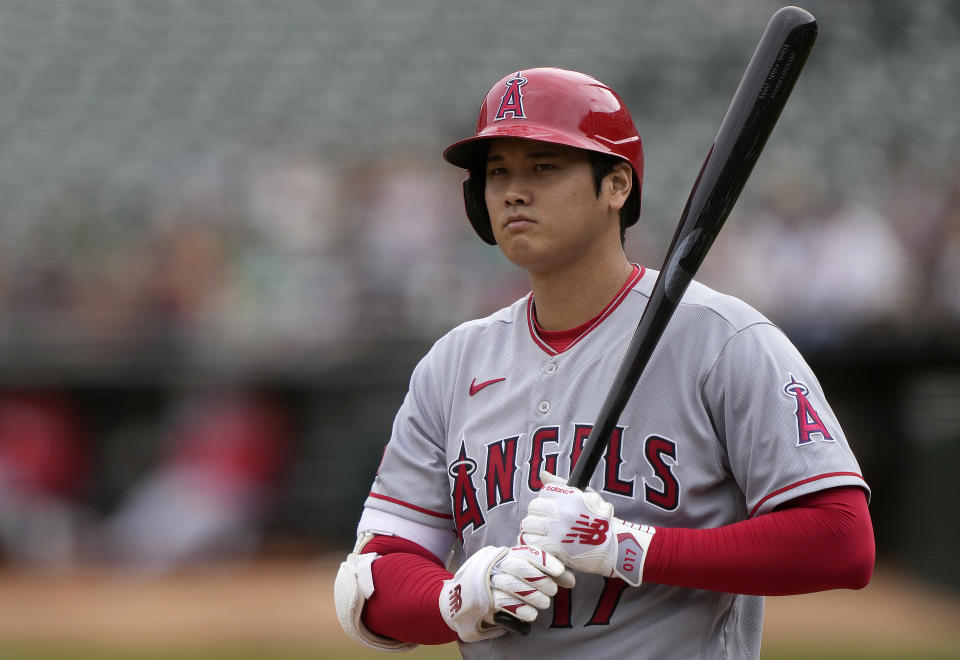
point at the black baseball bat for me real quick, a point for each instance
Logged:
(756, 105)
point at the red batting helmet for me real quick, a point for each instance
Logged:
(548, 105)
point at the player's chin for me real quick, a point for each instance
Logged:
(523, 252)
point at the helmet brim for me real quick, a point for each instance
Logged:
(470, 152)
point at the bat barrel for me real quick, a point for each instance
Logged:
(760, 97)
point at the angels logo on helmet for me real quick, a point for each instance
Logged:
(512, 99)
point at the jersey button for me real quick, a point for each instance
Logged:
(544, 406)
(551, 368)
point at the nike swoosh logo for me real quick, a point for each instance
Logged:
(476, 387)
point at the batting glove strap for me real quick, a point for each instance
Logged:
(632, 543)
(579, 528)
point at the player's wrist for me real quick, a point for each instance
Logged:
(632, 547)
(466, 599)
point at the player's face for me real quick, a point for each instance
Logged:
(543, 204)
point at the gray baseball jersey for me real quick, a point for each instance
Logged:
(727, 422)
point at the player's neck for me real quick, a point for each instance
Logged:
(569, 297)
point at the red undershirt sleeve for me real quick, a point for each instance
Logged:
(407, 580)
(812, 543)
(816, 542)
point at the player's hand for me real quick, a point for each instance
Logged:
(579, 529)
(519, 581)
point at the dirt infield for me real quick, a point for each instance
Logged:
(291, 603)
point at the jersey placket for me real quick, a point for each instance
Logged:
(542, 445)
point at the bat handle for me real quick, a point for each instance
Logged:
(512, 623)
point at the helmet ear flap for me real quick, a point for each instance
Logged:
(475, 205)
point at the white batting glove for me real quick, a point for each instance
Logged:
(519, 581)
(579, 529)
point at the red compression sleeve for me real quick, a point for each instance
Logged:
(816, 542)
(407, 580)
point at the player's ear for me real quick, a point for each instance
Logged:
(619, 182)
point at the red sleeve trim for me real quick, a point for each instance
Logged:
(779, 491)
(435, 514)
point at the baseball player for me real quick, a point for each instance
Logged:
(728, 477)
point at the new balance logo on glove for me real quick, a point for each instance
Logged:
(456, 600)
(586, 532)
(579, 528)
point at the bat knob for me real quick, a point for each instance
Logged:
(512, 623)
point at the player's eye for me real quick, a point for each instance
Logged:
(496, 171)
(544, 167)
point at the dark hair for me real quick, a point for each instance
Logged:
(602, 165)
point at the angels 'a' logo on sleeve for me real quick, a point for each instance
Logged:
(809, 423)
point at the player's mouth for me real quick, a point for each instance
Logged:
(516, 222)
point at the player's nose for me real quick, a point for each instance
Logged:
(516, 193)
